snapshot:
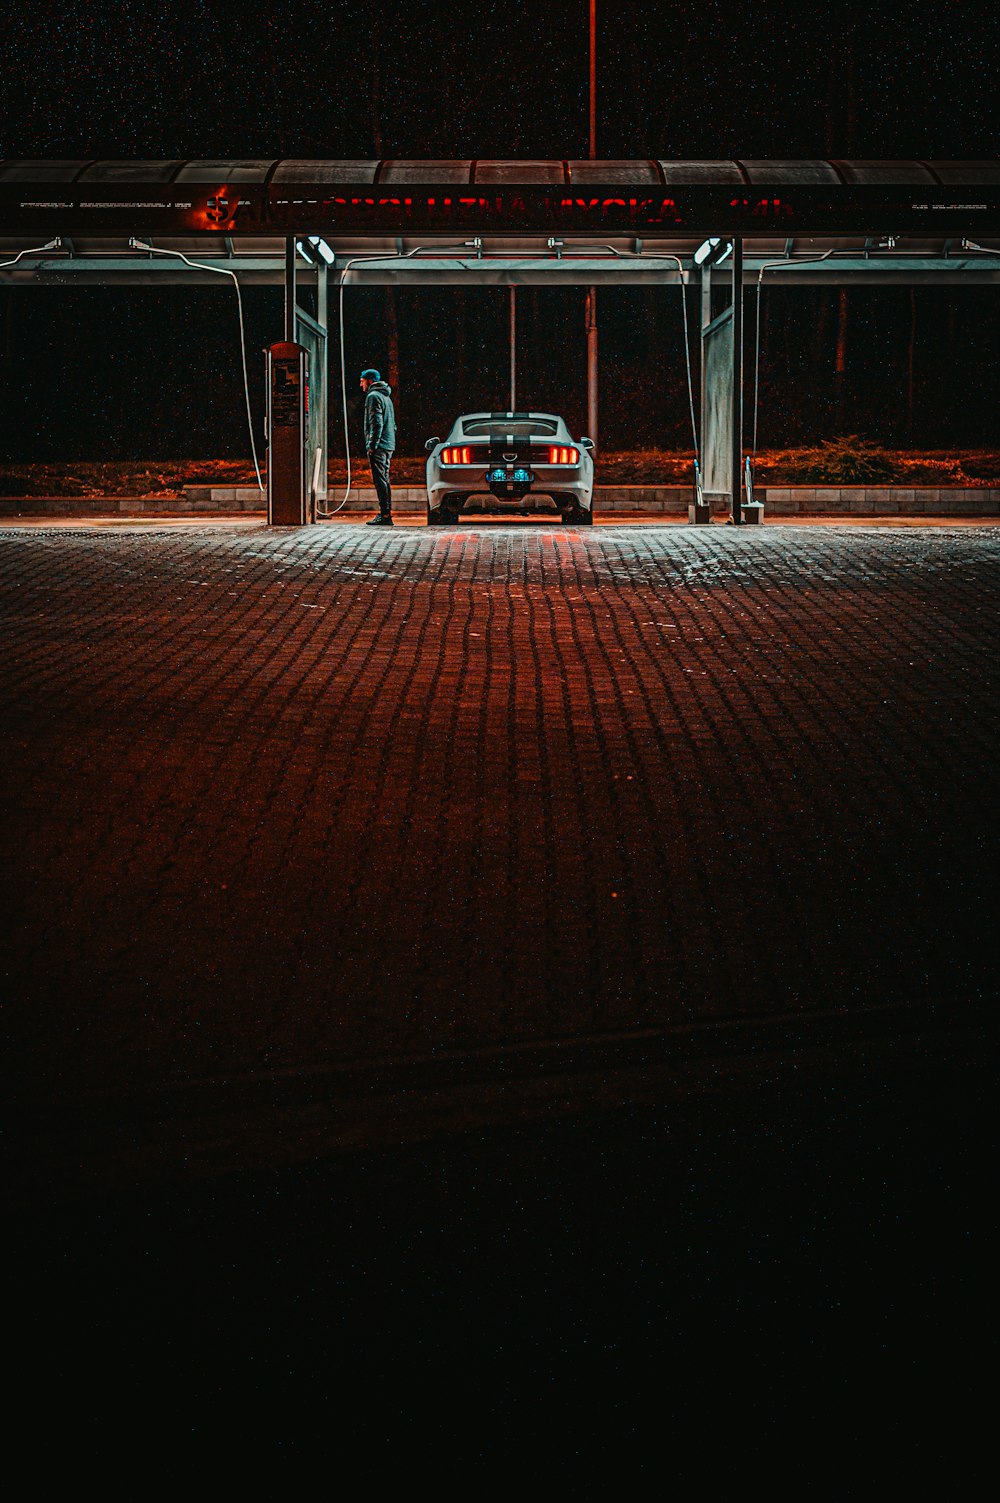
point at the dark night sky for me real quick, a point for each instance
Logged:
(348, 79)
(711, 79)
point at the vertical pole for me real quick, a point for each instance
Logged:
(706, 295)
(593, 79)
(706, 319)
(699, 507)
(592, 363)
(840, 367)
(322, 293)
(322, 396)
(513, 349)
(592, 415)
(290, 330)
(737, 425)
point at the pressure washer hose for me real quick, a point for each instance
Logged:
(785, 261)
(222, 271)
(662, 256)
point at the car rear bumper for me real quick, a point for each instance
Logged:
(566, 489)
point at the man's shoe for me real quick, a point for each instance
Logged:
(380, 521)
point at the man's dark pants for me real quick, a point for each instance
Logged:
(380, 460)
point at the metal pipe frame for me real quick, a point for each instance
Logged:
(290, 289)
(136, 271)
(737, 412)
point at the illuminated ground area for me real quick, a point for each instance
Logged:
(502, 942)
(288, 801)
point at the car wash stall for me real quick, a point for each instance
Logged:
(710, 229)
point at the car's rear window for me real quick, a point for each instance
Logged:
(486, 427)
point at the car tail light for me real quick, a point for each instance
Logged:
(563, 456)
(456, 456)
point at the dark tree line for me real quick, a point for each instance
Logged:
(112, 373)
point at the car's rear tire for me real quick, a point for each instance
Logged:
(578, 516)
(444, 516)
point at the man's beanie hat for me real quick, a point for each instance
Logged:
(370, 376)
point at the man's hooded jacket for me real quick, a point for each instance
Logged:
(380, 419)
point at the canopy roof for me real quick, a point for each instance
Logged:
(498, 221)
(283, 197)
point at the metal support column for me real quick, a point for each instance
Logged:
(700, 506)
(290, 289)
(716, 404)
(323, 296)
(323, 394)
(706, 315)
(737, 422)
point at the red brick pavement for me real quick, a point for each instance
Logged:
(283, 801)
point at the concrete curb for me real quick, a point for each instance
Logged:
(666, 500)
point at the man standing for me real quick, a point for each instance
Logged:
(380, 441)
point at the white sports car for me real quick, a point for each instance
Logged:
(507, 460)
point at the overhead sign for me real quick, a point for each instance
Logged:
(268, 209)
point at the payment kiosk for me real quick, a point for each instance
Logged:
(288, 488)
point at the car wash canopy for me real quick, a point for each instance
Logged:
(639, 199)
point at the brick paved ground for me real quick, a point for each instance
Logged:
(294, 799)
(282, 802)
